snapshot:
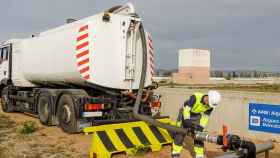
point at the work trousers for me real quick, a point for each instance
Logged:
(177, 146)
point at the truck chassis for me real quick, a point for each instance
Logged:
(71, 109)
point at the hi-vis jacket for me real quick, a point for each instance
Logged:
(195, 112)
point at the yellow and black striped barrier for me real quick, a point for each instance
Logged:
(127, 138)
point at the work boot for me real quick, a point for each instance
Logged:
(175, 155)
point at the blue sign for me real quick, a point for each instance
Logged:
(264, 117)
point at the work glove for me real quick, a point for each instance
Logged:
(198, 128)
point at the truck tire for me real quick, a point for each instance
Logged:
(1, 88)
(7, 105)
(66, 114)
(44, 112)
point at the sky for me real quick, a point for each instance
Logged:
(241, 34)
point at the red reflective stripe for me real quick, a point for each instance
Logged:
(152, 60)
(152, 66)
(83, 28)
(152, 71)
(84, 70)
(86, 77)
(150, 45)
(85, 61)
(150, 38)
(151, 52)
(83, 34)
(86, 52)
(82, 37)
(82, 45)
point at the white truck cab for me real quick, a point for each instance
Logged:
(5, 55)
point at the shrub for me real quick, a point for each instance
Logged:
(228, 78)
(28, 127)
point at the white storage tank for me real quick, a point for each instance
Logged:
(194, 58)
(193, 67)
(92, 50)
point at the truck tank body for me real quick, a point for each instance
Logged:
(90, 50)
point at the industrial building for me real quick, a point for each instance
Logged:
(193, 67)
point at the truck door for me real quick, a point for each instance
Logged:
(4, 62)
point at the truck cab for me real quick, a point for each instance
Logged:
(5, 69)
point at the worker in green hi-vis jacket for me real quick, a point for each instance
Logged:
(194, 115)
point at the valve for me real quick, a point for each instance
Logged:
(106, 17)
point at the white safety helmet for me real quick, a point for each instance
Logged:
(214, 98)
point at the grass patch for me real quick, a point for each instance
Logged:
(254, 88)
(28, 127)
(140, 150)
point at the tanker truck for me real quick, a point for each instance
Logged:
(80, 74)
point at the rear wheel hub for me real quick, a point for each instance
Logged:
(66, 114)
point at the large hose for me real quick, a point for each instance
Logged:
(138, 116)
(145, 118)
(202, 136)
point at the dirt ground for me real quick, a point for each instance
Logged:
(52, 142)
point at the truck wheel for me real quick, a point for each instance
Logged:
(1, 88)
(66, 114)
(7, 105)
(44, 109)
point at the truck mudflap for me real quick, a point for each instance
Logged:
(129, 138)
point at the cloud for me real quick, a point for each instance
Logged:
(241, 34)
